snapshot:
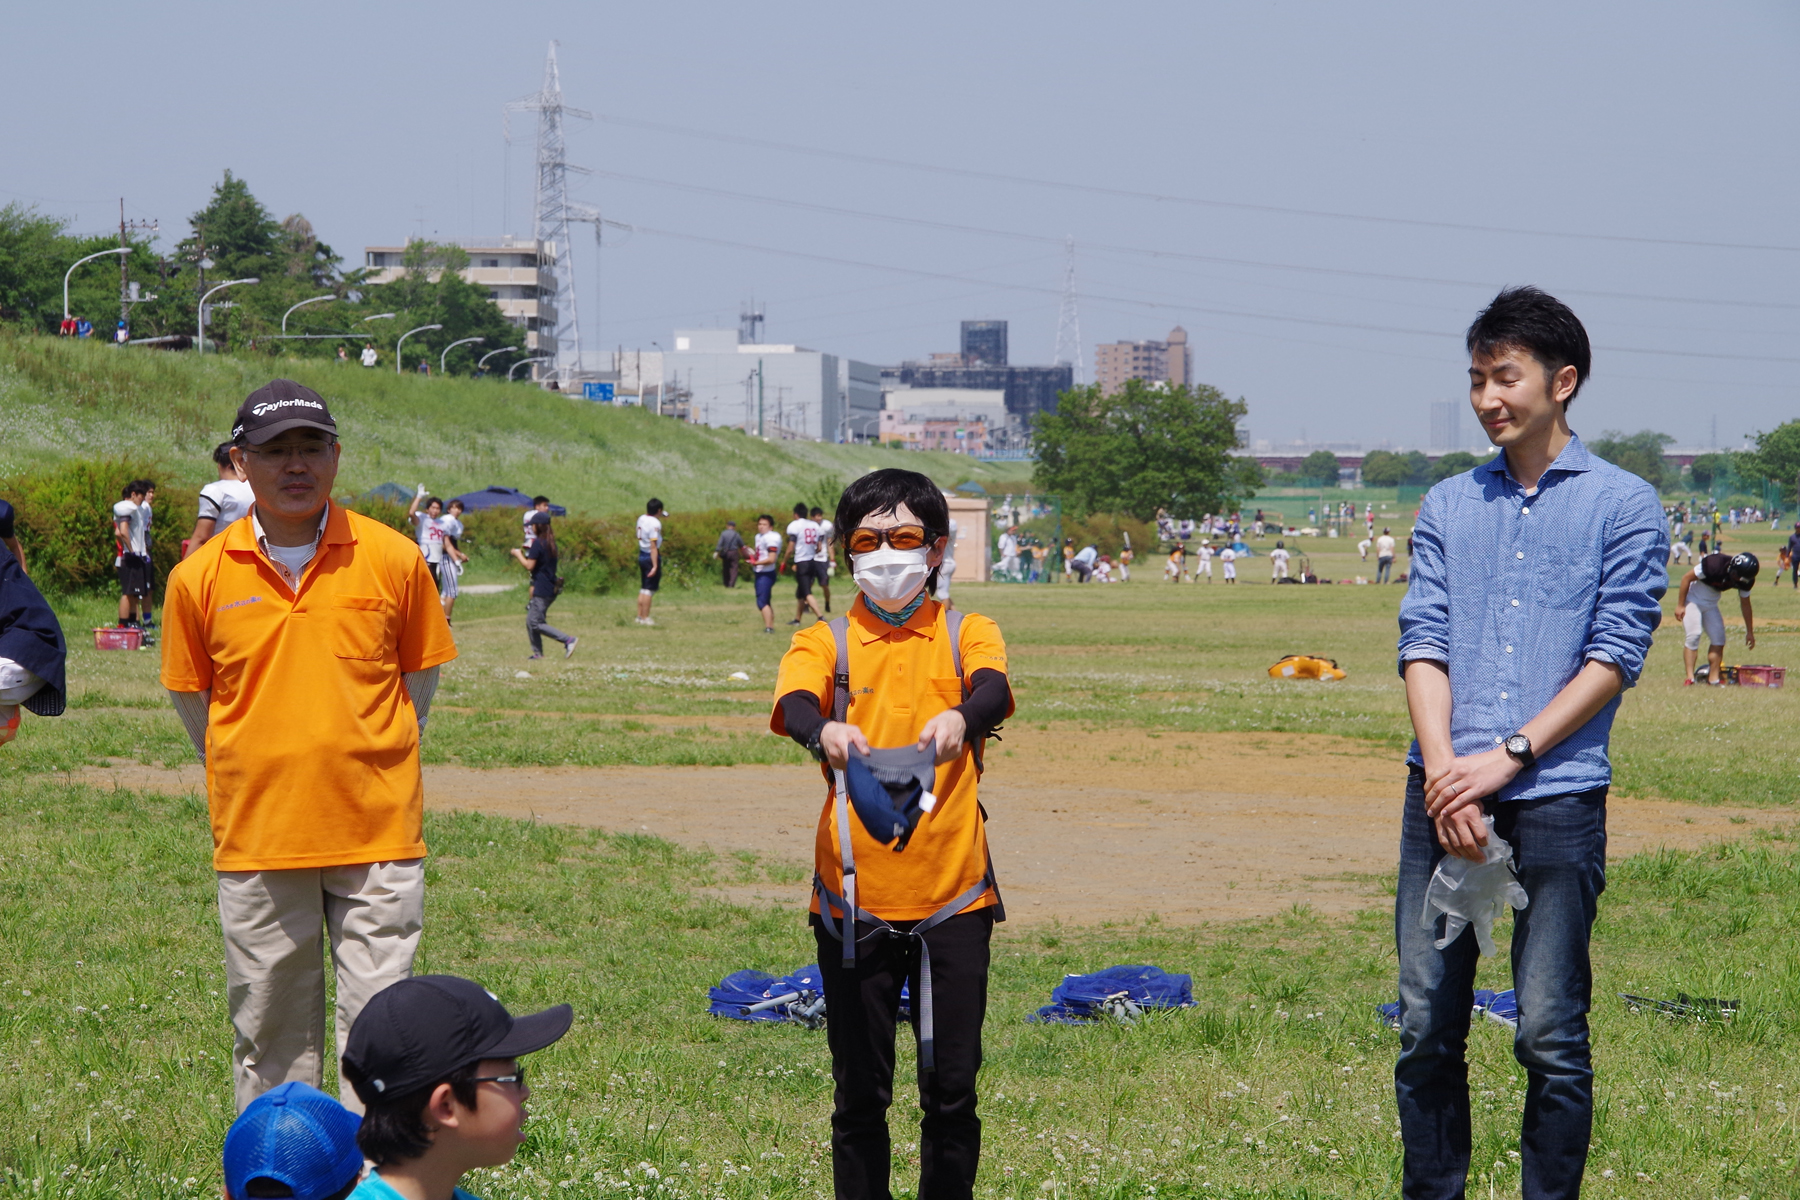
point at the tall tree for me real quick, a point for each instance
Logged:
(1320, 468)
(236, 232)
(1453, 463)
(1149, 446)
(1776, 457)
(1384, 468)
(1641, 453)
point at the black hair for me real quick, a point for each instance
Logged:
(800, 509)
(149, 485)
(130, 489)
(766, 517)
(222, 454)
(547, 536)
(1532, 320)
(393, 1130)
(654, 507)
(431, 500)
(262, 1186)
(816, 511)
(537, 500)
(886, 490)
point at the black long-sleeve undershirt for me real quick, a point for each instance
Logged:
(989, 694)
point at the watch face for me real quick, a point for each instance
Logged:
(1518, 743)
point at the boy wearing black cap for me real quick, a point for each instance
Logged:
(435, 1060)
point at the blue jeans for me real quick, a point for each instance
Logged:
(1559, 848)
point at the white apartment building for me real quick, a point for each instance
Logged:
(517, 273)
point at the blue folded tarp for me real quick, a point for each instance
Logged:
(742, 991)
(1120, 992)
(501, 497)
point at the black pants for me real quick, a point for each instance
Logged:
(730, 569)
(862, 1006)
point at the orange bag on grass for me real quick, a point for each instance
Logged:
(1307, 666)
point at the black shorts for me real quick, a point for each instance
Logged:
(134, 575)
(436, 572)
(646, 581)
(805, 575)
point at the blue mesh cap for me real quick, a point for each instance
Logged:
(297, 1135)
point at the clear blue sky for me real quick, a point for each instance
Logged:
(1657, 121)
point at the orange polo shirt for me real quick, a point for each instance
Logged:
(312, 743)
(901, 677)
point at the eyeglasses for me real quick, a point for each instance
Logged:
(517, 1078)
(863, 539)
(306, 452)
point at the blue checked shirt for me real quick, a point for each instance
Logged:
(1515, 593)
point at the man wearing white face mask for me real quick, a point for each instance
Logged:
(900, 672)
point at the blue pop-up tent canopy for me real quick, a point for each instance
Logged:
(503, 497)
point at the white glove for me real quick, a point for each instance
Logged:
(423, 491)
(1471, 893)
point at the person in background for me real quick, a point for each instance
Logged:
(1534, 594)
(803, 549)
(222, 501)
(649, 540)
(146, 511)
(826, 563)
(131, 555)
(292, 1140)
(9, 536)
(1009, 551)
(301, 652)
(343, 355)
(452, 567)
(67, 328)
(1384, 556)
(1702, 588)
(1228, 563)
(765, 565)
(539, 504)
(729, 550)
(1068, 560)
(429, 528)
(32, 652)
(1172, 569)
(1793, 549)
(948, 569)
(436, 1060)
(369, 357)
(1278, 562)
(1362, 547)
(1203, 561)
(84, 327)
(1083, 563)
(540, 559)
(1125, 557)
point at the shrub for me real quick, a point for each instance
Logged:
(65, 521)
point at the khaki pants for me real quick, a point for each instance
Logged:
(275, 923)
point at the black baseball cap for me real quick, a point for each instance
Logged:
(278, 406)
(414, 1033)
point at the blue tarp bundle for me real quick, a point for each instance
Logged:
(743, 989)
(1502, 1007)
(1120, 992)
(500, 497)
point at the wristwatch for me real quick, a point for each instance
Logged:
(1519, 746)
(818, 751)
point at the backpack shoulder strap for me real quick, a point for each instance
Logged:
(953, 624)
(840, 671)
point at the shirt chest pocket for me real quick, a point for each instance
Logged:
(359, 627)
(942, 695)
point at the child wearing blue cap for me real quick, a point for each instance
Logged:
(293, 1140)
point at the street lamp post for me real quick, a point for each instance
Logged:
(502, 350)
(525, 362)
(378, 317)
(302, 304)
(77, 263)
(403, 337)
(200, 312)
(442, 366)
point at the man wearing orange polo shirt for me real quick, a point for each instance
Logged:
(903, 677)
(301, 648)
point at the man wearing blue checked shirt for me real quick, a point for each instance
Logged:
(1534, 592)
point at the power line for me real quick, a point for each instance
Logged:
(1163, 198)
(1176, 306)
(1148, 252)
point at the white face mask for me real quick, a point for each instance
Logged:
(890, 578)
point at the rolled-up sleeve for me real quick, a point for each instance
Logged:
(1634, 576)
(1425, 609)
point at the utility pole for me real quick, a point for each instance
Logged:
(759, 397)
(126, 299)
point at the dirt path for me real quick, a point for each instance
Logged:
(1189, 826)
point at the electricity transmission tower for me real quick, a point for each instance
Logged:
(554, 211)
(1068, 321)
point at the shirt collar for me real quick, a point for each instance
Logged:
(1573, 459)
(262, 542)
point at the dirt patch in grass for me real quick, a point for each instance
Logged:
(1190, 826)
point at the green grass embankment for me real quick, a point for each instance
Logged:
(62, 400)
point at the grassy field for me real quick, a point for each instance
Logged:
(114, 1041)
(64, 399)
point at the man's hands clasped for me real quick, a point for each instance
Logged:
(947, 728)
(1453, 795)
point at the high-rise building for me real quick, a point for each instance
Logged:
(517, 273)
(1168, 361)
(984, 343)
(1447, 425)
